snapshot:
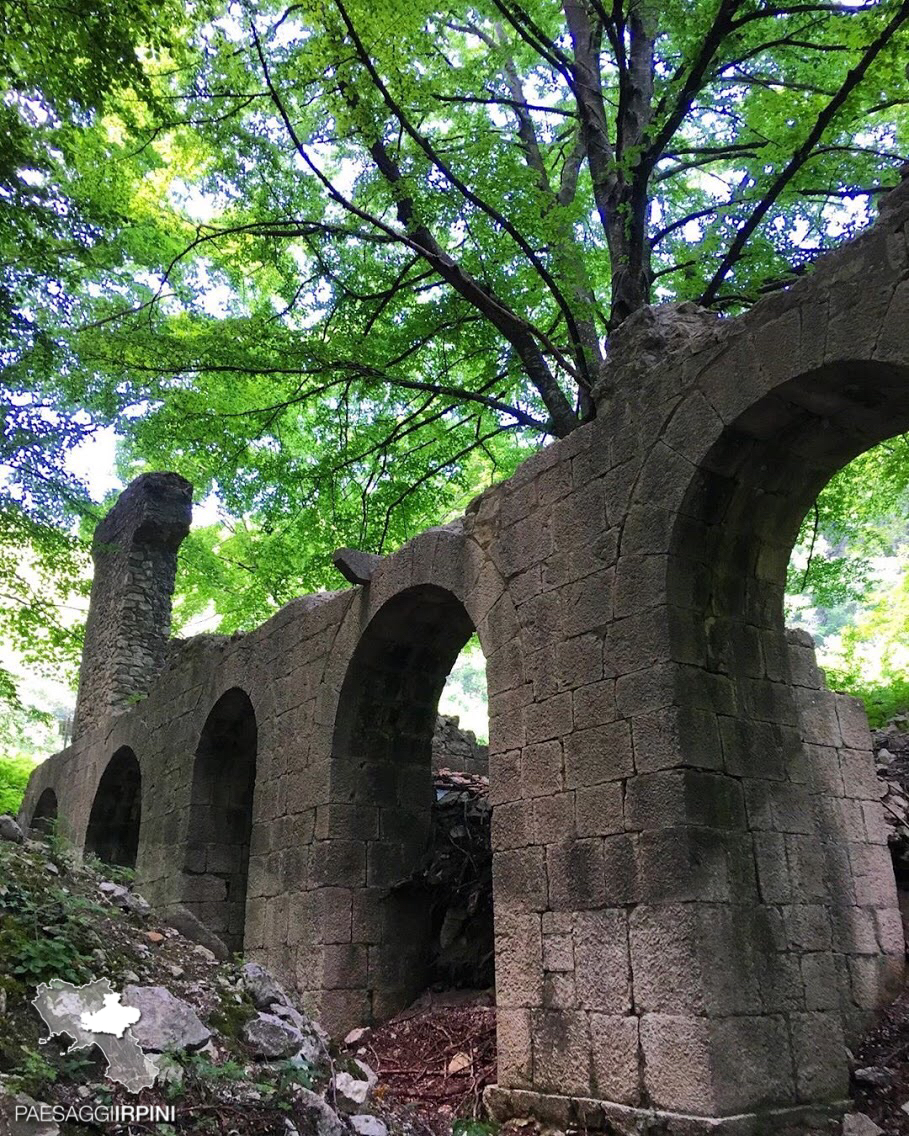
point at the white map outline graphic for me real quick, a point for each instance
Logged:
(93, 1015)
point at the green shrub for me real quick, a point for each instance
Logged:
(14, 775)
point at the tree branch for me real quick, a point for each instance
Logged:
(801, 155)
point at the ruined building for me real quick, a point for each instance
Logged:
(694, 904)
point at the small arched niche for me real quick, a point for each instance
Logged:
(113, 826)
(45, 814)
(220, 820)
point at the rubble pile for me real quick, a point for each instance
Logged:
(891, 754)
(226, 1042)
(454, 748)
(457, 873)
(434, 1059)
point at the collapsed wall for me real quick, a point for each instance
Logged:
(694, 903)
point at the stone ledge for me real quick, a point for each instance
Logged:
(621, 1120)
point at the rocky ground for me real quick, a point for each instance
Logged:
(248, 1062)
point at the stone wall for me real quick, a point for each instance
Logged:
(694, 903)
(454, 748)
(135, 555)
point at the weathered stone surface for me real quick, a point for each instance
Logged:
(272, 1037)
(355, 566)
(353, 1091)
(262, 987)
(366, 1125)
(323, 1118)
(10, 830)
(190, 926)
(167, 1022)
(11, 1126)
(857, 1124)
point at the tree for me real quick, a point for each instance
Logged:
(61, 215)
(385, 246)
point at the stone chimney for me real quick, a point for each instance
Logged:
(135, 555)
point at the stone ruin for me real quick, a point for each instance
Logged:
(695, 909)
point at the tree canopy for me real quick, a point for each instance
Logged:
(344, 263)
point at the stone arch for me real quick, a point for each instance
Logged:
(45, 812)
(116, 813)
(749, 491)
(216, 862)
(763, 780)
(381, 784)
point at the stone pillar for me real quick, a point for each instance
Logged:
(135, 555)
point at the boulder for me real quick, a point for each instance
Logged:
(192, 928)
(10, 830)
(272, 1037)
(323, 1119)
(262, 988)
(857, 1124)
(167, 1022)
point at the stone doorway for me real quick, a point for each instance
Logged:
(220, 818)
(45, 815)
(113, 826)
(382, 777)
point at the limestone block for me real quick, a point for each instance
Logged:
(614, 1049)
(601, 961)
(603, 753)
(599, 809)
(561, 1051)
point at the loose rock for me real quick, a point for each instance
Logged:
(192, 928)
(873, 1075)
(271, 1037)
(323, 1118)
(857, 1124)
(368, 1125)
(261, 986)
(167, 1023)
(9, 1124)
(353, 1092)
(10, 830)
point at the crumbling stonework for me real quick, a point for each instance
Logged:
(694, 903)
(135, 555)
(454, 748)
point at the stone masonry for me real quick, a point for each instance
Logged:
(454, 748)
(694, 904)
(135, 555)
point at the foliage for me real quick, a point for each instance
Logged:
(465, 691)
(14, 775)
(45, 931)
(859, 515)
(875, 656)
(63, 211)
(467, 1127)
(343, 264)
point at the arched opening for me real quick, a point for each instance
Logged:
(220, 818)
(45, 814)
(790, 758)
(113, 826)
(382, 784)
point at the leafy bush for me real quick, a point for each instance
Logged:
(45, 931)
(14, 775)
